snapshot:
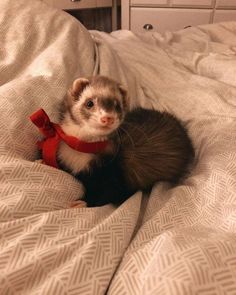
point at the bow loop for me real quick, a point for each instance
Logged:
(42, 121)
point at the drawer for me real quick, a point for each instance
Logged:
(174, 3)
(149, 2)
(193, 3)
(226, 3)
(224, 15)
(68, 4)
(167, 19)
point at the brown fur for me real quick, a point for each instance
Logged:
(154, 146)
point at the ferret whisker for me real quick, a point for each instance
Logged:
(137, 127)
(118, 137)
(129, 136)
(116, 151)
(131, 156)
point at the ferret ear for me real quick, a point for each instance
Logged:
(125, 98)
(78, 86)
(74, 92)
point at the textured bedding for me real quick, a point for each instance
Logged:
(177, 240)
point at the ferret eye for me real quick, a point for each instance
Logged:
(89, 104)
(118, 108)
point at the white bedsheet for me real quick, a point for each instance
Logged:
(176, 241)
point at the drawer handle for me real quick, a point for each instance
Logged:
(148, 27)
(187, 27)
(74, 0)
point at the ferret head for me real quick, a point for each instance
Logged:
(95, 107)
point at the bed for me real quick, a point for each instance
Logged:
(176, 240)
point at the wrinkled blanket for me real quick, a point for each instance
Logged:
(177, 240)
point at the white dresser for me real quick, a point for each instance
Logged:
(172, 15)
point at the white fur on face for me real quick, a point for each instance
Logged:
(83, 131)
(90, 92)
(91, 128)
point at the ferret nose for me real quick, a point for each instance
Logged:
(107, 121)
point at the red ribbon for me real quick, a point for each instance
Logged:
(54, 135)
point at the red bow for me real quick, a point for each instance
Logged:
(54, 135)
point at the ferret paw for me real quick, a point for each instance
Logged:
(40, 161)
(78, 204)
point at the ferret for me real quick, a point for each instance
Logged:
(145, 146)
